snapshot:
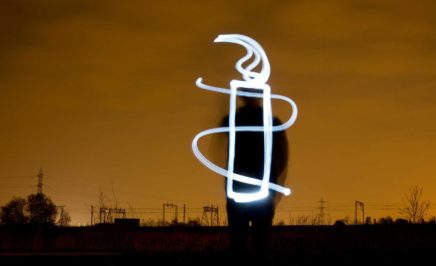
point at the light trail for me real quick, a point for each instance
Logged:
(256, 81)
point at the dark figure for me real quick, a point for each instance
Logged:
(249, 161)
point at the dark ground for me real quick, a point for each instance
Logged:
(290, 245)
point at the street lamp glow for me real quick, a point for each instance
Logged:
(257, 82)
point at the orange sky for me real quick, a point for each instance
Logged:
(101, 95)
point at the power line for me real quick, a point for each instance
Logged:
(17, 177)
(12, 187)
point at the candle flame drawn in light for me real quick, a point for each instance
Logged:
(257, 82)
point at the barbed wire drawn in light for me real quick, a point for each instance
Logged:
(256, 81)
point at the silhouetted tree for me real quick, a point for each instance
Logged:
(41, 209)
(415, 208)
(150, 222)
(386, 220)
(367, 220)
(280, 223)
(432, 220)
(303, 220)
(194, 222)
(401, 221)
(14, 212)
(340, 222)
(64, 219)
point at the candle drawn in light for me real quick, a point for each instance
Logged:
(257, 82)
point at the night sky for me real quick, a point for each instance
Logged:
(101, 95)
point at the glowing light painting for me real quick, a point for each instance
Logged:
(257, 82)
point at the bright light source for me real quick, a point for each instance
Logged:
(256, 81)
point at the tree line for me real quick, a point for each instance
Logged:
(34, 209)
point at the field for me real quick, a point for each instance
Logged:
(290, 245)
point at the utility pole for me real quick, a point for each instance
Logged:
(321, 211)
(184, 213)
(92, 214)
(361, 205)
(105, 213)
(40, 176)
(109, 214)
(169, 205)
(214, 218)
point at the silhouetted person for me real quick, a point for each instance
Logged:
(249, 161)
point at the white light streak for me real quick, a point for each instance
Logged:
(256, 81)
